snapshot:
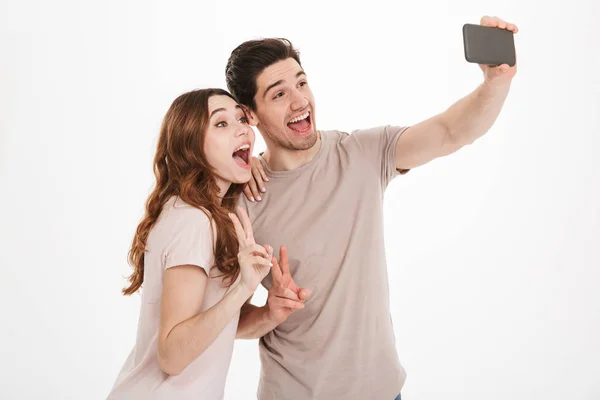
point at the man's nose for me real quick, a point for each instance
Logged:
(299, 101)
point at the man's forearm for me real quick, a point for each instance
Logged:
(472, 116)
(254, 322)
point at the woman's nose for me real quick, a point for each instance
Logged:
(242, 130)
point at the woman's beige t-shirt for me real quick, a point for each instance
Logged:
(182, 235)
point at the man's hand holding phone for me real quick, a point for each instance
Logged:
(491, 45)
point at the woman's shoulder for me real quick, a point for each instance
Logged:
(178, 213)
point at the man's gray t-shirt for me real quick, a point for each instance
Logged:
(329, 214)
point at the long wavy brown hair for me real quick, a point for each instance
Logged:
(181, 169)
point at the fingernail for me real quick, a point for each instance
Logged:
(263, 190)
(258, 198)
(270, 264)
(252, 199)
(267, 179)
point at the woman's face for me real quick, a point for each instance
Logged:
(228, 142)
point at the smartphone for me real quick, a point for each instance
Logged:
(489, 45)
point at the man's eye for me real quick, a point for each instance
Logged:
(278, 95)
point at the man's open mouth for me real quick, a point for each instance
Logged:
(242, 155)
(301, 123)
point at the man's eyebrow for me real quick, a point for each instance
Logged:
(279, 82)
(271, 86)
(222, 109)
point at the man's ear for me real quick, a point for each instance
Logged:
(252, 118)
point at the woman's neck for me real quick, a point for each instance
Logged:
(223, 188)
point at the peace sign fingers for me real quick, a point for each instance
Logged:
(243, 229)
(276, 272)
(284, 263)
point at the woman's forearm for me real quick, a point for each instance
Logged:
(190, 338)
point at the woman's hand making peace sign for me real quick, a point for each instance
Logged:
(255, 260)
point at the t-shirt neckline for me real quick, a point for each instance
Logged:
(300, 169)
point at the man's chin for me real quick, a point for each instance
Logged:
(306, 141)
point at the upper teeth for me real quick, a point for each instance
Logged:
(243, 147)
(301, 117)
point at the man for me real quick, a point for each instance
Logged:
(324, 204)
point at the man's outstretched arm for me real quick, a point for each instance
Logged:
(463, 122)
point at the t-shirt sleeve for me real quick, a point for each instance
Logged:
(190, 240)
(378, 146)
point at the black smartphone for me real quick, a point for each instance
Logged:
(489, 45)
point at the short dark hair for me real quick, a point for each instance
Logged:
(249, 59)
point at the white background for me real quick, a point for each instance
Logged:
(493, 268)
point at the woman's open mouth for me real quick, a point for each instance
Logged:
(242, 156)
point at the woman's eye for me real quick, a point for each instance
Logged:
(244, 120)
(221, 124)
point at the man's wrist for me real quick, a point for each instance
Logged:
(494, 87)
(267, 318)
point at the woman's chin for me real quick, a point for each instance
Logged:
(242, 178)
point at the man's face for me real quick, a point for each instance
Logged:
(285, 107)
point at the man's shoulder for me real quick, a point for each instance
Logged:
(352, 139)
(335, 136)
(343, 134)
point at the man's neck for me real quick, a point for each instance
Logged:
(281, 159)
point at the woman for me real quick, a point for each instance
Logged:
(197, 262)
